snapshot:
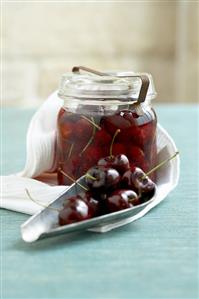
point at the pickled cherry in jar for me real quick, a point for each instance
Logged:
(103, 115)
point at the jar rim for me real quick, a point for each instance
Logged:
(115, 87)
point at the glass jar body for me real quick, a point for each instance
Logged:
(86, 133)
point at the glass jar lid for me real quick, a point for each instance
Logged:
(124, 86)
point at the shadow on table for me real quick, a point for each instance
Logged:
(72, 239)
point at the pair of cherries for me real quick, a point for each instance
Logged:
(113, 186)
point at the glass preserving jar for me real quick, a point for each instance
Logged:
(104, 114)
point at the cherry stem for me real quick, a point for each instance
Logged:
(91, 139)
(91, 121)
(113, 140)
(72, 179)
(70, 150)
(160, 165)
(38, 203)
(90, 176)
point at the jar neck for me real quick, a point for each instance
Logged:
(103, 107)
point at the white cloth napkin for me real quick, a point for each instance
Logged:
(41, 138)
(40, 153)
(37, 174)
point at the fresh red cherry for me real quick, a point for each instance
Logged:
(122, 199)
(101, 199)
(102, 178)
(136, 180)
(74, 210)
(92, 203)
(88, 198)
(119, 162)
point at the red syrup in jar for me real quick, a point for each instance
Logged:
(82, 140)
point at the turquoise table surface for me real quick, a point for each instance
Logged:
(155, 257)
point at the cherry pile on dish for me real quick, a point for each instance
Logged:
(112, 186)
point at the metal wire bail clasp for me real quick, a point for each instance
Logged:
(143, 77)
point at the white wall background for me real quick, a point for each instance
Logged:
(41, 40)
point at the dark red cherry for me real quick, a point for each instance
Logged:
(113, 122)
(66, 130)
(65, 116)
(135, 153)
(124, 120)
(136, 180)
(119, 162)
(92, 202)
(137, 157)
(92, 153)
(129, 115)
(101, 199)
(89, 158)
(74, 210)
(102, 138)
(83, 129)
(148, 131)
(102, 178)
(119, 148)
(66, 123)
(122, 199)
